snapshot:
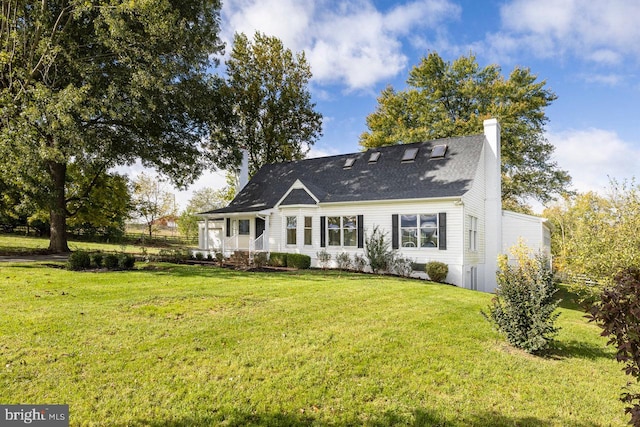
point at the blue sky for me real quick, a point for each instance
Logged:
(587, 51)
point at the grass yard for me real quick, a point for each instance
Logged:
(16, 245)
(189, 346)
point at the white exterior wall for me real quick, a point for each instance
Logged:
(473, 202)
(531, 229)
(376, 214)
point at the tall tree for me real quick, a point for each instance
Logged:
(152, 200)
(273, 116)
(446, 99)
(94, 84)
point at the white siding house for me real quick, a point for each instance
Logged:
(437, 201)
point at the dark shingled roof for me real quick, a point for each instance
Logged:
(298, 196)
(386, 179)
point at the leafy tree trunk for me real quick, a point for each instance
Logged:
(58, 213)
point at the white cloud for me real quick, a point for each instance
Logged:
(592, 156)
(350, 43)
(596, 31)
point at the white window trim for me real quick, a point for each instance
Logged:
(286, 231)
(341, 230)
(418, 246)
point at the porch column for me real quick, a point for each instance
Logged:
(206, 234)
(265, 239)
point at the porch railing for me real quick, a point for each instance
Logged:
(257, 244)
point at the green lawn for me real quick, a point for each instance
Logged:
(16, 245)
(189, 345)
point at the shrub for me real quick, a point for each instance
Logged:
(126, 261)
(209, 257)
(79, 260)
(110, 261)
(278, 259)
(437, 271)
(260, 259)
(199, 256)
(377, 250)
(344, 261)
(220, 257)
(299, 261)
(96, 259)
(359, 262)
(523, 308)
(618, 314)
(402, 266)
(324, 258)
(174, 255)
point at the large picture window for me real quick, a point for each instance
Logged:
(292, 230)
(419, 231)
(342, 230)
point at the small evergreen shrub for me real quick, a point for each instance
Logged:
(524, 307)
(126, 261)
(199, 256)
(378, 251)
(618, 314)
(209, 257)
(110, 261)
(260, 259)
(174, 255)
(359, 263)
(324, 258)
(278, 259)
(437, 271)
(299, 261)
(79, 260)
(96, 259)
(402, 266)
(220, 257)
(344, 261)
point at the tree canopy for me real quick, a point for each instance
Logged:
(446, 99)
(272, 113)
(91, 85)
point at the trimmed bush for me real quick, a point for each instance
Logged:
(278, 259)
(437, 271)
(299, 261)
(523, 308)
(79, 260)
(110, 261)
(359, 262)
(260, 259)
(324, 258)
(402, 266)
(126, 261)
(378, 250)
(199, 256)
(96, 259)
(344, 261)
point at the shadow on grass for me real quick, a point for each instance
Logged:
(420, 417)
(581, 350)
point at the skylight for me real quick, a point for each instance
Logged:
(409, 154)
(374, 157)
(349, 162)
(438, 151)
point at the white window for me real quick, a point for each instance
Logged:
(342, 230)
(473, 278)
(473, 233)
(243, 227)
(419, 231)
(308, 230)
(292, 230)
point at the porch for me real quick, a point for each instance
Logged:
(234, 233)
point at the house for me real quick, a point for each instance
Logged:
(437, 200)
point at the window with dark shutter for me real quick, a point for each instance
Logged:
(394, 232)
(323, 231)
(228, 227)
(360, 231)
(442, 231)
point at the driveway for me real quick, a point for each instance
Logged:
(35, 258)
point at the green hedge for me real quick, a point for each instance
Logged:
(81, 260)
(298, 261)
(278, 259)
